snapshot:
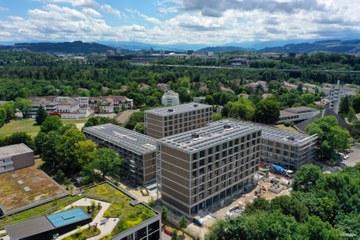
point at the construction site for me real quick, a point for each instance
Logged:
(272, 181)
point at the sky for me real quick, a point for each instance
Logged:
(212, 22)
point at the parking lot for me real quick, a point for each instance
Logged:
(354, 157)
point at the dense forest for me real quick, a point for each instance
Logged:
(27, 74)
(322, 206)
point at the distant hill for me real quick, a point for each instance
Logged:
(76, 47)
(225, 49)
(331, 46)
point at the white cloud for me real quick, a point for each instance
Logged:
(335, 19)
(76, 3)
(109, 9)
(91, 12)
(146, 17)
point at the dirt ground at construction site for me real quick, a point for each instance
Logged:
(261, 190)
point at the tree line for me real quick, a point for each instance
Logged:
(322, 206)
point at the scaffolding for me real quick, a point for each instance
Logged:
(177, 109)
(158, 171)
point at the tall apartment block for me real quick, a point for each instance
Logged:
(137, 150)
(200, 168)
(167, 121)
(288, 149)
(15, 157)
(335, 97)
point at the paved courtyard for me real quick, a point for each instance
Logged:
(354, 157)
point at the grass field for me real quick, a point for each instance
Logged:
(28, 126)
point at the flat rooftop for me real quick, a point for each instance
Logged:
(300, 109)
(25, 187)
(182, 108)
(123, 137)
(211, 135)
(272, 133)
(13, 150)
(29, 228)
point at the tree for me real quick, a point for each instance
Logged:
(140, 127)
(2, 116)
(183, 222)
(291, 207)
(94, 121)
(216, 117)
(104, 162)
(351, 116)
(356, 103)
(307, 98)
(23, 105)
(317, 229)
(209, 100)
(267, 111)
(19, 137)
(243, 108)
(332, 136)
(84, 150)
(51, 123)
(175, 235)
(306, 178)
(344, 106)
(164, 214)
(41, 115)
(135, 118)
(356, 128)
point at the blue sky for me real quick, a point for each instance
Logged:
(213, 22)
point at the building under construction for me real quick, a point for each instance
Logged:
(288, 149)
(137, 150)
(201, 168)
(167, 121)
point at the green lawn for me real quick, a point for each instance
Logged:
(84, 234)
(28, 126)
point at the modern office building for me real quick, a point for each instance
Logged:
(288, 149)
(335, 97)
(137, 150)
(167, 121)
(170, 98)
(15, 157)
(297, 114)
(201, 168)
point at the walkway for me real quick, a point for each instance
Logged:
(105, 228)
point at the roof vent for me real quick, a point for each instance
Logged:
(227, 126)
(291, 138)
(170, 110)
(195, 135)
(195, 105)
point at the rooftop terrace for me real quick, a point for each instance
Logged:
(132, 212)
(12, 150)
(213, 134)
(125, 138)
(182, 108)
